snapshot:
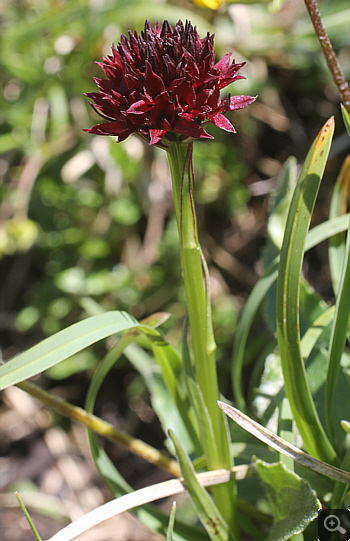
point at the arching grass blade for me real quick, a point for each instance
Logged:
(288, 292)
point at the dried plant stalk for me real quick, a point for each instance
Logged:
(329, 54)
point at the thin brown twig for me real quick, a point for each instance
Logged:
(329, 54)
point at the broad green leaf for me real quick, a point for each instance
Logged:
(346, 118)
(292, 500)
(169, 535)
(288, 294)
(208, 513)
(336, 243)
(65, 343)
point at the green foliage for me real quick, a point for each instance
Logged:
(285, 490)
(30, 522)
(89, 224)
(207, 511)
(292, 251)
(169, 535)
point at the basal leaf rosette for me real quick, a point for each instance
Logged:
(165, 85)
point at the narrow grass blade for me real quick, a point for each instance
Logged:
(170, 363)
(336, 244)
(282, 446)
(63, 344)
(285, 430)
(250, 310)
(150, 516)
(173, 412)
(338, 336)
(340, 490)
(30, 522)
(169, 535)
(288, 292)
(208, 513)
(346, 118)
(315, 376)
(315, 236)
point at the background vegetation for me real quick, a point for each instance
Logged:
(87, 224)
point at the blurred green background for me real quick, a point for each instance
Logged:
(86, 224)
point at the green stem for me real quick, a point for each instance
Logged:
(217, 451)
(136, 446)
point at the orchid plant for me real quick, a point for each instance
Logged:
(164, 86)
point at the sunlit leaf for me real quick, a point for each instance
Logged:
(288, 294)
(65, 343)
(292, 500)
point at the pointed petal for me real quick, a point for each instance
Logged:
(156, 135)
(239, 102)
(223, 63)
(191, 129)
(153, 84)
(108, 128)
(222, 122)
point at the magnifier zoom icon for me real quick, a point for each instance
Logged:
(332, 524)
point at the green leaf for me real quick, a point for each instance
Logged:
(336, 244)
(170, 363)
(150, 516)
(338, 337)
(339, 492)
(250, 310)
(169, 535)
(163, 403)
(195, 395)
(65, 343)
(292, 500)
(208, 513)
(314, 237)
(279, 205)
(30, 522)
(346, 426)
(288, 294)
(346, 118)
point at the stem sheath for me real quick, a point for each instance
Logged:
(217, 451)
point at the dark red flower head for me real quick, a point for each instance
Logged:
(165, 82)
